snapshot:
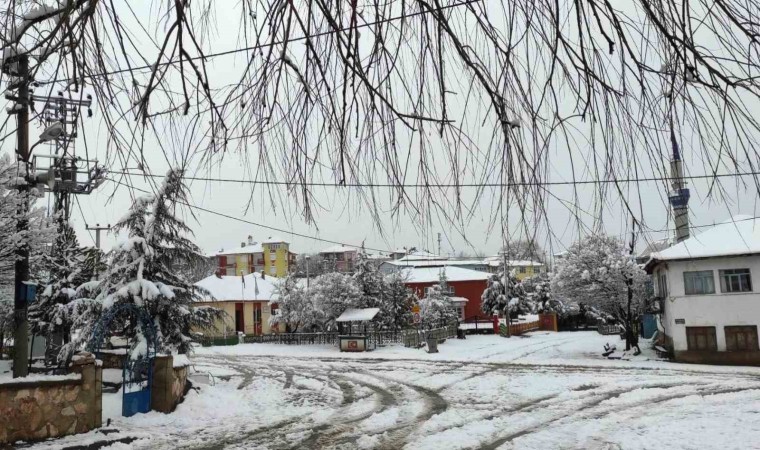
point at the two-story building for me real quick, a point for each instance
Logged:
(709, 299)
(246, 300)
(523, 268)
(272, 256)
(342, 258)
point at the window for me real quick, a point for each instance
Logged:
(701, 338)
(460, 312)
(662, 285)
(523, 269)
(735, 280)
(699, 282)
(741, 338)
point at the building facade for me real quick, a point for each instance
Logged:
(342, 258)
(709, 303)
(462, 284)
(246, 300)
(271, 256)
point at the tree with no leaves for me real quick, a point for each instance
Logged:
(352, 93)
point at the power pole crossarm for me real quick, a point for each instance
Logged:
(97, 228)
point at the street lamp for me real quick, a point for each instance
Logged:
(50, 133)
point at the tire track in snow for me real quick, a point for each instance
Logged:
(495, 444)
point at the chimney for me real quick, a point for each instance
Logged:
(242, 244)
(250, 240)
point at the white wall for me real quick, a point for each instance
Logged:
(718, 310)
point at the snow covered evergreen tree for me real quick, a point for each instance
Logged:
(140, 274)
(399, 298)
(370, 282)
(436, 307)
(331, 294)
(495, 299)
(295, 308)
(64, 270)
(599, 272)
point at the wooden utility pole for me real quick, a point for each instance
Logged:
(21, 265)
(97, 228)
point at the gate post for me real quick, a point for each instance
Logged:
(163, 371)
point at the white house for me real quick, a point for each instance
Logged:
(708, 289)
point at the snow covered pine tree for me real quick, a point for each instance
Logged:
(399, 299)
(295, 308)
(140, 273)
(496, 300)
(64, 269)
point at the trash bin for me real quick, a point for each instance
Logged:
(461, 334)
(432, 345)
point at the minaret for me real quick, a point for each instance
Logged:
(679, 194)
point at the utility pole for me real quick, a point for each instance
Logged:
(21, 265)
(97, 228)
(505, 280)
(439, 244)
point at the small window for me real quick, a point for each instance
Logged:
(662, 285)
(523, 269)
(699, 282)
(741, 338)
(735, 280)
(701, 338)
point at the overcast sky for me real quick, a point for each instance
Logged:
(341, 215)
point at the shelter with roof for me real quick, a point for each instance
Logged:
(246, 300)
(708, 294)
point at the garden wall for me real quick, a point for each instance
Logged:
(41, 407)
(169, 382)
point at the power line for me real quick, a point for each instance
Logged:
(279, 230)
(269, 44)
(446, 185)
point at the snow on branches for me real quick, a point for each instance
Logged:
(140, 273)
(497, 299)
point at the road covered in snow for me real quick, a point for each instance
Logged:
(546, 390)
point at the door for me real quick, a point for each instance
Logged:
(239, 318)
(257, 329)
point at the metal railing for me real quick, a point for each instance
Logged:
(416, 337)
(330, 338)
(608, 328)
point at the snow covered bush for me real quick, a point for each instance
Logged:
(599, 272)
(139, 273)
(295, 308)
(436, 307)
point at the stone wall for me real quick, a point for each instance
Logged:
(52, 406)
(169, 384)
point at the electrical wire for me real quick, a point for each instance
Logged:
(445, 185)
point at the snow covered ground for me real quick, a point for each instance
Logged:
(544, 390)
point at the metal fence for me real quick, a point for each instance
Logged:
(215, 341)
(294, 339)
(415, 337)
(608, 328)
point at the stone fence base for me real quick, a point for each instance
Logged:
(38, 408)
(169, 383)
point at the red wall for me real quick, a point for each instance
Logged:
(471, 290)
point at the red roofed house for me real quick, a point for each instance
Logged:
(464, 284)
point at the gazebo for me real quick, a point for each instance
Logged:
(352, 328)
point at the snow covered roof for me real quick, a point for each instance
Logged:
(433, 274)
(739, 235)
(340, 249)
(437, 263)
(458, 299)
(358, 315)
(422, 256)
(273, 240)
(237, 288)
(496, 261)
(250, 248)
